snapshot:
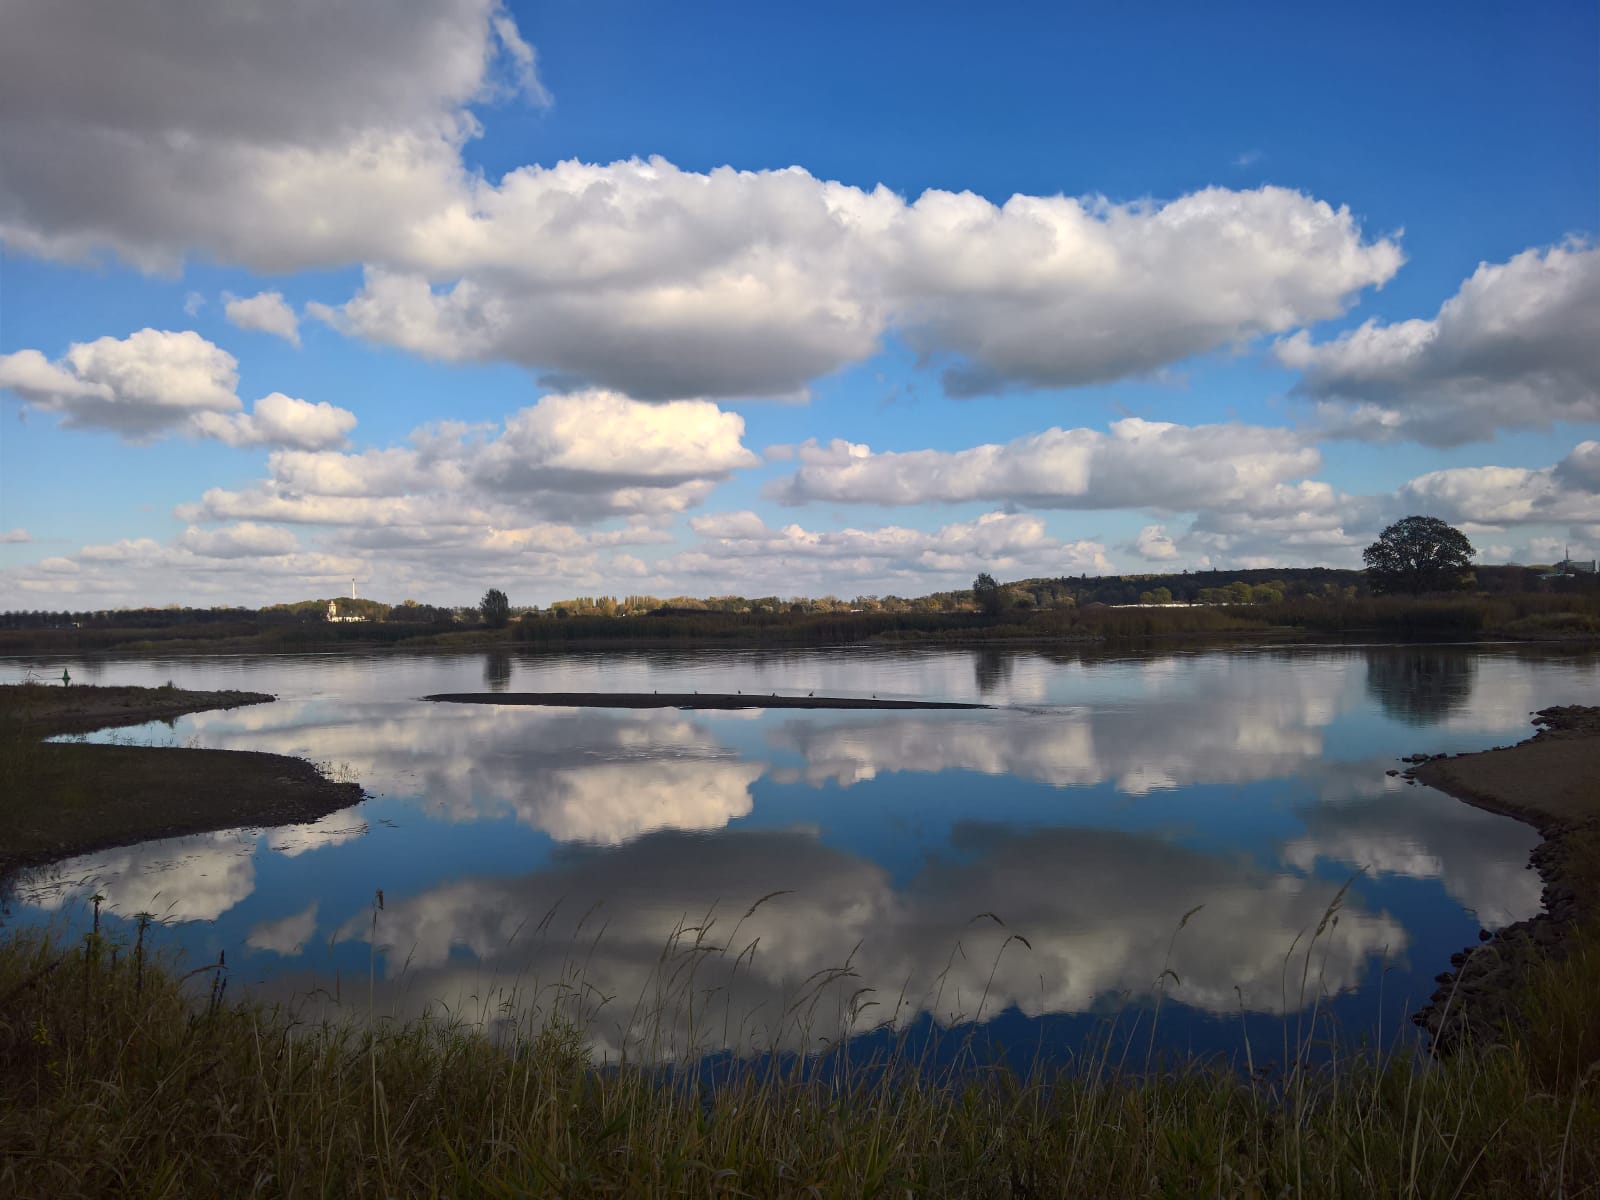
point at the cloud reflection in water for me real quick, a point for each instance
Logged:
(646, 812)
(1098, 909)
(194, 878)
(588, 775)
(1479, 857)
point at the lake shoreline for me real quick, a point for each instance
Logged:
(1552, 782)
(71, 798)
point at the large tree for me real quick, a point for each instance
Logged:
(496, 609)
(988, 594)
(1419, 554)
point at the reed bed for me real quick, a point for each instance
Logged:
(123, 1074)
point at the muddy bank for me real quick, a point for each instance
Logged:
(1552, 782)
(46, 710)
(64, 799)
(685, 700)
(1551, 779)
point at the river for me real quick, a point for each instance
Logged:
(1024, 870)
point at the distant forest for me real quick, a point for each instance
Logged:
(1516, 601)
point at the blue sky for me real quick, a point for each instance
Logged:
(625, 297)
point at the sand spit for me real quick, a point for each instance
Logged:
(47, 710)
(1552, 782)
(686, 700)
(69, 798)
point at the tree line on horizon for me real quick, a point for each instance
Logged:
(1417, 556)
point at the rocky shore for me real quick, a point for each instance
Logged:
(1552, 782)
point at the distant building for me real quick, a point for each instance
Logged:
(333, 608)
(1570, 566)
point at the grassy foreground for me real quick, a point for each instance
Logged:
(117, 1079)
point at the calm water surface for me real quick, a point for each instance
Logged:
(606, 859)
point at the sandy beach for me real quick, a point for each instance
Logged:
(1551, 779)
(1552, 782)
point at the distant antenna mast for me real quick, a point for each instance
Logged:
(352, 589)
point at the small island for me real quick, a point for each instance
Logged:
(711, 700)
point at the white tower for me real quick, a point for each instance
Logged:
(352, 589)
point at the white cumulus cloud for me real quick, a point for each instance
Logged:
(1052, 291)
(1499, 496)
(1155, 544)
(334, 135)
(279, 420)
(660, 282)
(739, 552)
(315, 137)
(266, 312)
(1517, 347)
(595, 440)
(244, 564)
(584, 455)
(148, 383)
(244, 540)
(1581, 468)
(550, 502)
(1136, 464)
(155, 382)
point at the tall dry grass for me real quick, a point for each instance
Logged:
(121, 1075)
